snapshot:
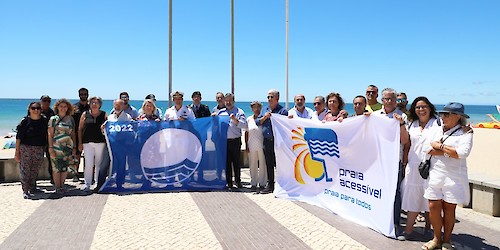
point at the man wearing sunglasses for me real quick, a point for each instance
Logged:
(371, 96)
(319, 107)
(264, 120)
(402, 102)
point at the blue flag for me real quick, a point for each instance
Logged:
(167, 155)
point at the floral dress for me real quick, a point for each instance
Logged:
(62, 142)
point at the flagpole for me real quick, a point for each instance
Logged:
(169, 53)
(286, 78)
(232, 47)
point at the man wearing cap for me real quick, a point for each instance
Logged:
(237, 121)
(390, 110)
(158, 111)
(300, 110)
(254, 141)
(264, 120)
(371, 96)
(45, 100)
(178, 111)
(200, 110)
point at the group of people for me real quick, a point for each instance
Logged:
(70, 129)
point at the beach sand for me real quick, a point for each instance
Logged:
(482, 162)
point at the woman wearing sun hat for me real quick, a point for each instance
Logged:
(448, 180)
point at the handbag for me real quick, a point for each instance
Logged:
(425, 166)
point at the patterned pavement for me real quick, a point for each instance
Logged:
(199, 220)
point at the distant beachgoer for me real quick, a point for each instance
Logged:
(48, 112)
(390, 110)
(264, 120)
(402, 102)
(199, 109)
(424, 122)
(179, 111)
(371, 96)
(254, 141)
(359, 105)
(300, 109)
(91, 140)
(157, 111)
(237, 122)
(62, 147)
(31, 140)
(148, 111)
(336, 110)
(448, 183)
(79, 107)
(320, 109)
(127, 108)
(219, 97)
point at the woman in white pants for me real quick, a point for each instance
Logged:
(92, 140)
(254, 143)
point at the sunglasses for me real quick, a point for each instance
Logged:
(370, 92)
(422, 107)
(270, 97)
(401, 100)
(317, 103)
(46, 100)
(35, 108)
(447, 114)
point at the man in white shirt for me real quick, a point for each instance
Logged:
(389, 109)
(300, 110)
(178, 111)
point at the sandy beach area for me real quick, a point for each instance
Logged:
(482, 162)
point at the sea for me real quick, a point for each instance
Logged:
(13, 110)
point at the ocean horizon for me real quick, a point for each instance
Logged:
(13, 110)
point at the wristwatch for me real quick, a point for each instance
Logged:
(446, 155)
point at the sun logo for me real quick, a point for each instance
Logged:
(313, 145)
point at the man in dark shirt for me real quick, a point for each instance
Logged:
(264, 120)
(199, 109)
(45, 100)
(80, 107)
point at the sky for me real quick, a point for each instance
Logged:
(447, 50)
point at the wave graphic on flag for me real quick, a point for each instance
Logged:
(323, 147)
(166, 175)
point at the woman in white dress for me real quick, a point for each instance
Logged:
(424, 122)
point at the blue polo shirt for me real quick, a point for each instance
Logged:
(267, 128)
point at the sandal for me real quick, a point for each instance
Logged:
(430, 245)
(420, 218)
(446, 246)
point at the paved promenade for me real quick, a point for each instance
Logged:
(200, 220)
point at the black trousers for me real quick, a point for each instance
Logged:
(233, 161)
(270, 161)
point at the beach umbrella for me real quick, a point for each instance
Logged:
(9, 144)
